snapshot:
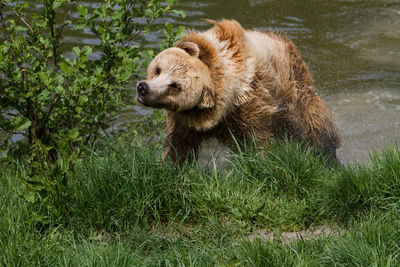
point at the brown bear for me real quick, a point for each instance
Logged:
(236, 84)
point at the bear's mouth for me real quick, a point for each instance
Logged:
(147, 104)
(141, 101)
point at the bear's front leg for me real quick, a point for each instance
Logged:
(181, 143)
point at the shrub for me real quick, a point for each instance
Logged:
(60, 100)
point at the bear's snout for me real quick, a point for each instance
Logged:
(143, 89)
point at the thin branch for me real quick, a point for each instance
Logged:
(90, 133)
(51, 107)
(65, 20)
(30, 113)
(6, 35)
(7, 84)
(51, 16)
(53, 35)
(23, 20)
(8, 131)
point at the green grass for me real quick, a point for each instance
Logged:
(126, 207)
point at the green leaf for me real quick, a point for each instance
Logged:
(57, 3)
(43, 219)
(125, 75)
(20, 123)
(168, 29)
(179, 12)
(21, 29)
(83, 99)
(179, 32)
(42, 40)
(5, 49)
(82, 10)
(59, 90)
(44, 78)
(73, 134)
(41, 23)
(80, 26)
(86, 51)
(35, 15)
(59, 79)
(78, 110)
(24, 125)
(76, 51)
(27, 193)
(64, 67)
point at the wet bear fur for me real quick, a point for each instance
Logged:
(231, 83)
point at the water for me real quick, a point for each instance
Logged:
(352, 48)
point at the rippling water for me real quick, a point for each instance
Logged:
(352, 48)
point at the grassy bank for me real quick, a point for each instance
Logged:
(125, 207)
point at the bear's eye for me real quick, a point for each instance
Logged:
(158, 71)
(174, 86)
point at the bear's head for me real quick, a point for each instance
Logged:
(177, 80)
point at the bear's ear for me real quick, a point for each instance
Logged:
(191, 48)
(208, 100)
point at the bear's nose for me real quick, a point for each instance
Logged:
(143, 88)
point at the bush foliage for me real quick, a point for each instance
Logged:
(60, 99)
(60, 102)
